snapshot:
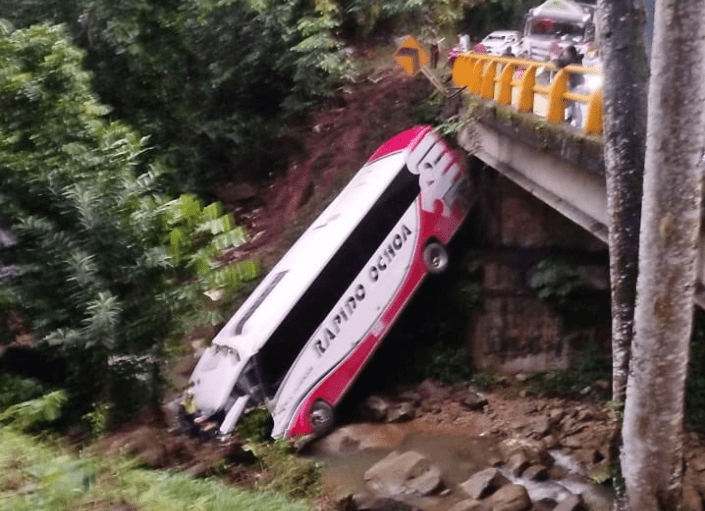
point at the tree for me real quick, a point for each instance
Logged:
(620, 28)
(93, 274)
(670, 227)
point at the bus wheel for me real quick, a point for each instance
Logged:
(435, 257)
(321, 417)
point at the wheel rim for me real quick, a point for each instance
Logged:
(321, 417)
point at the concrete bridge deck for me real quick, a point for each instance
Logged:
(516, 127)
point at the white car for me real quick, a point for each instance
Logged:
(499, 41)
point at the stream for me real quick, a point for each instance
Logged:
(348, 452)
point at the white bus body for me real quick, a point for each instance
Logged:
(305, 333)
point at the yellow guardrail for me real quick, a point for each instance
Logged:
(511, 81)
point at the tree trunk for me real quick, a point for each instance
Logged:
(624, 99)
(653, 415)
(620, 27)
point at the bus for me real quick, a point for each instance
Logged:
(304, 334)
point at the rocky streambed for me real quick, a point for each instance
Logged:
(434, 448)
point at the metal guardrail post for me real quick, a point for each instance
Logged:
(488, 79)
(593, 123)
(556, 100)
(526, 90)
(504, 96)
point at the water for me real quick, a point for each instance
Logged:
(348, 452)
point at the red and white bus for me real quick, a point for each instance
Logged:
(305, 333)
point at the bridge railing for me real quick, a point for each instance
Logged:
(531, 86)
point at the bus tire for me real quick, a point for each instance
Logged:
(321, 417)
(435, 257)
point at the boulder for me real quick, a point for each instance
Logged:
(469, 505)
(517, 463)
(363, 502)
(539, 427)
(536, 473)
(430, 390)
(556, 415)
(571, 503)
(534, 450)
(405, 473)
(375, 408)
(401, 412)
(474, 400)
(512, 497)
(544, 504)
(484, 483)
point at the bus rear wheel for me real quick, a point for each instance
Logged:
(435, 257)
(321, 417)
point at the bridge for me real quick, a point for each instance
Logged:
(514, 120)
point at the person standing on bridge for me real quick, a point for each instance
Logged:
(568, 57)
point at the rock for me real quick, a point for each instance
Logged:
(555, 416)
(401, 412)
(603, 384)
(534, 450)
(431, 390)
(584, 414)
(375, 408)
(573, 442)
(549, 442)
(474, 400)
(698, 463)
(536, 473)
(407, 473)
(468, 505)
(345, 503)
(544, 504)
(370, 503)
(692, 500)
(484, 483)
(512, 497)
(539, 427)
(518, 463)
(410, 396)
(571, 503)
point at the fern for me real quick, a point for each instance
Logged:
(34, 412)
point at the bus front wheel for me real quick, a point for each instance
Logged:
(435, 257)
(321, 417)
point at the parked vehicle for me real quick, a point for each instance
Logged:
(305, 333)
(557, 23)
(501, 42)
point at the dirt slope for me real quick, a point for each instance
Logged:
(334, 143)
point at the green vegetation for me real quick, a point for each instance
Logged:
(591, 366)
(37, 477)
(285, 473)
(99, 252)
(554, 281)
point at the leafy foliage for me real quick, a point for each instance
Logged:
(484, 17)
(38, 477)
(15, 389)
(554, 281)
(35, 412)
(285, 473)
(428, 19)
(93, 271)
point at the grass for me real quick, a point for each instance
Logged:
(37, 476)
